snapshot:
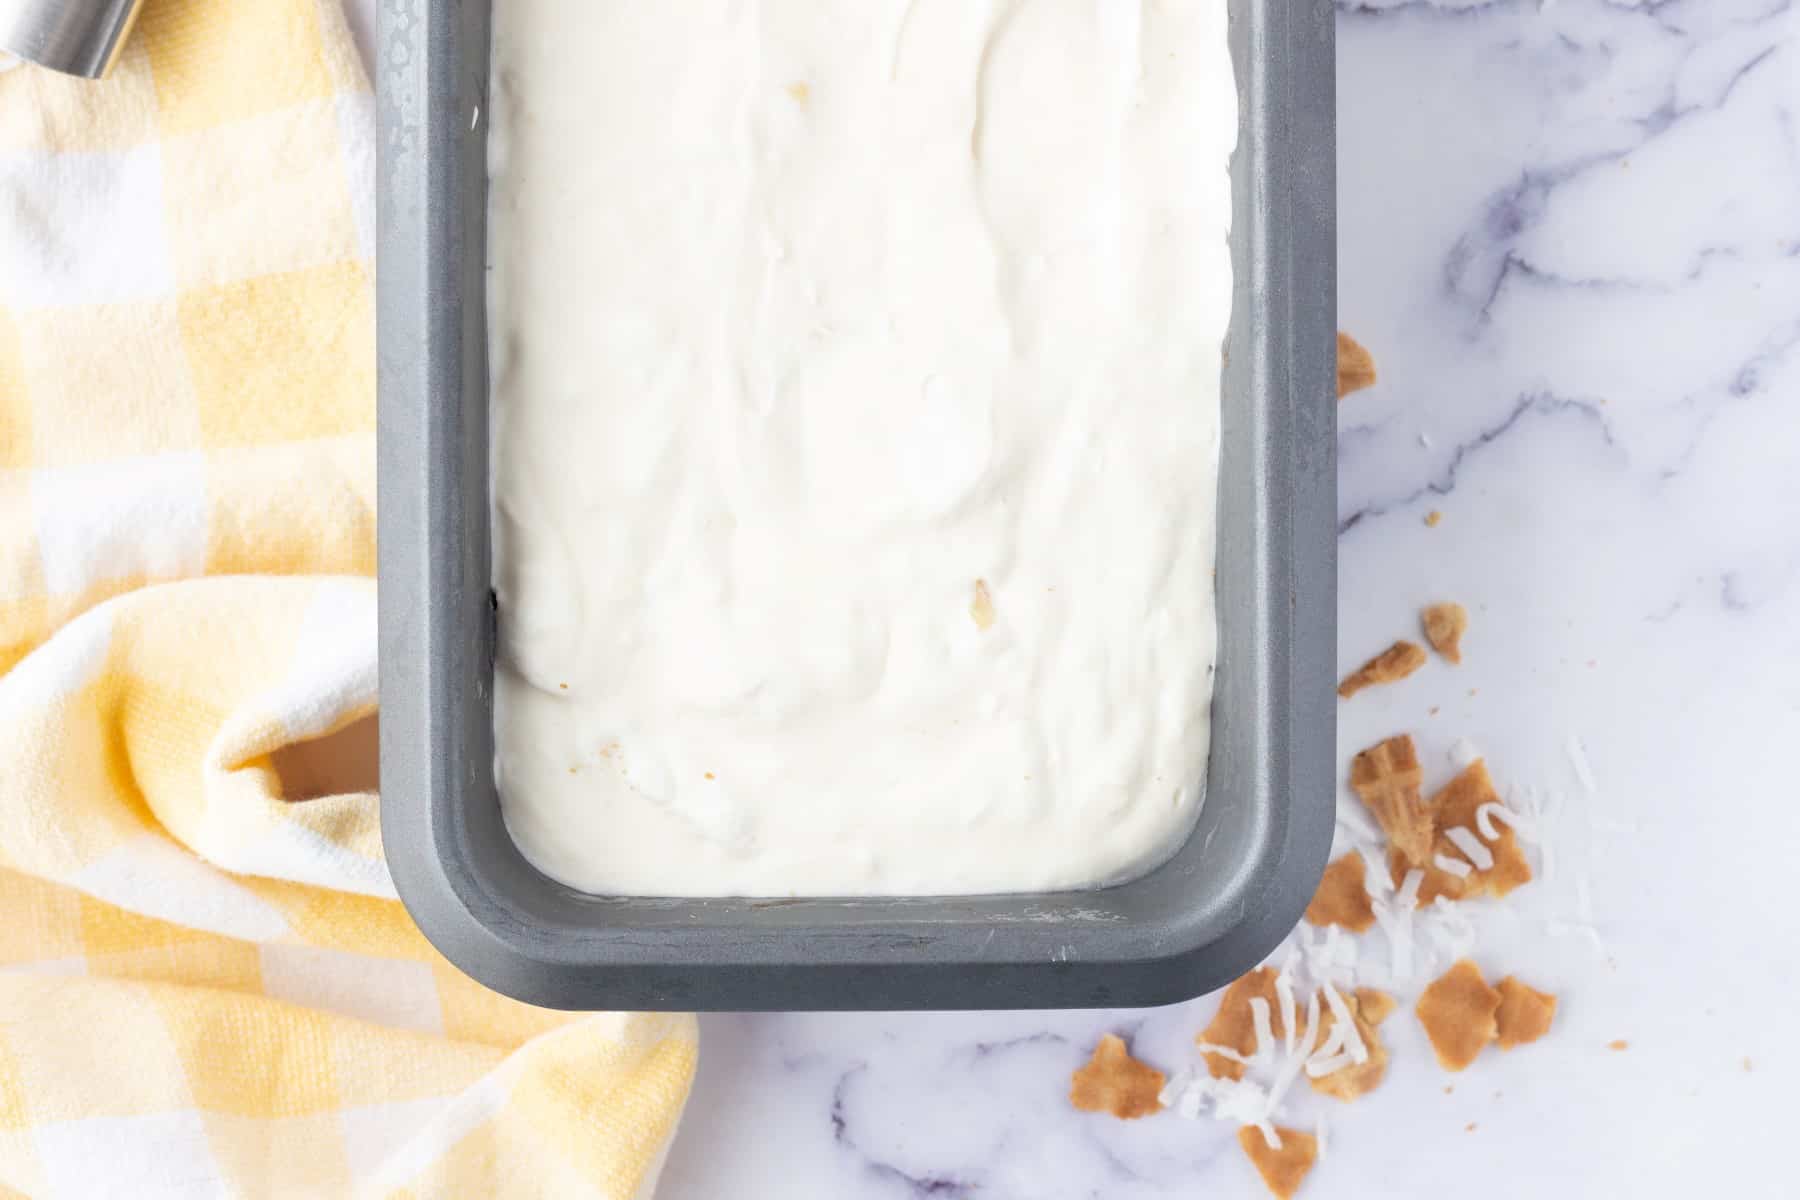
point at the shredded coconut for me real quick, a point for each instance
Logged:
(1563, 929)
(1342, 1019)
(1450, 929)
(1408, 896)
(1340, 953)
(1471, 847)
(1451, 866)
(1579, 760)
(1223, 1052)
(1284, 995)
(1375, 876)
(1396, 921)
(1265, 1032)
(1243, 1103)
(1322, 966)
(1484, 823)
(1290, 1069)
(1333, 1044)
(1530, 805)
(1318, 1068)
(1336, 944)
(1463, 753)
(1330, 955)
(1181, 1094)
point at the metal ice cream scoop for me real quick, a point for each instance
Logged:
(76, 37)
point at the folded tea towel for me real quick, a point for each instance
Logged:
(206, 985)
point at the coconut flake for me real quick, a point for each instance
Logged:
(1291, 1067)
(1451, 866)
(1579, 760)
(1403, 947)
(1272, 1138)
(1333, 1044)
(1284, 995)
(1342, 1019)
(1408, 896)
(1348, 958)
(1265, 1032)
(1375, 877)
(1562, 929)
(1463, 753)
(1318, 1068)
(1224, 1052)
(1451, 929)
(1335, 944)
(1176, 1088)
(1533, 806)
(1484, 823)
(1471, 847)
(1340, 951)
(1241, 1102)
(1396, 923)
(1330, 955)
(1528, 804)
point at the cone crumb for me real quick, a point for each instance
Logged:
(1116, 1083)
(1283, 1170)
(1355, 366)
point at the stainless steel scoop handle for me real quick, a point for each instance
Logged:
(76, 37)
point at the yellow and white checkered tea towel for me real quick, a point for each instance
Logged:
(206, 986)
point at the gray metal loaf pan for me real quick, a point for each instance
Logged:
(1221, 904)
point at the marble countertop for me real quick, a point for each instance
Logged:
(1570, 234)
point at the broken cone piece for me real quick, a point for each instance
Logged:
(1355, 366)
(1234, 1025)
(1368, 1009)
(1445, 625)
(1458, 1010)
(1390, 666)
(1457, 807)
(1116, 1083)
(1388, 778)
(1283, 1169)
(1376, 1005)
(1343, 897)
(1524, 1015)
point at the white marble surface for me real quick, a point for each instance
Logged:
(1571, 235)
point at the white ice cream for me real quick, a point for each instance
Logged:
(826, 334)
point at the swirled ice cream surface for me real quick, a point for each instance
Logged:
(855, 420)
